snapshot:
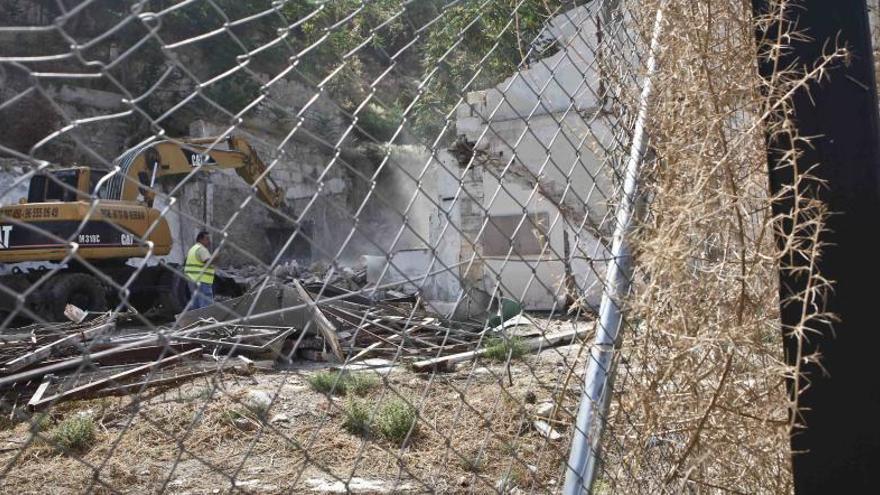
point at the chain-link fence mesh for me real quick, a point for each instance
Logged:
(361, 246)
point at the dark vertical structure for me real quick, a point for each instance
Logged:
(840, 446)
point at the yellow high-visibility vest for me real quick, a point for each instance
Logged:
(195, 269)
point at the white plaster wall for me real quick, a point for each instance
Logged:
(426, 257)
(545, 126)
(537, 280)
(566, 79)
(512, 276)
(566, 152)
(445, 235)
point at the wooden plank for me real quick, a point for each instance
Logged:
(98, 384)
(328, 331)
(132, 387)
(545, 341)
(47, 350)
(364, 352)
(398, 332)
(39, 393)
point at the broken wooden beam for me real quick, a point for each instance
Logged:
(544, 341)
(327, 329)
(98, 384)
(47, 350)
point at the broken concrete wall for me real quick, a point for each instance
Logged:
(437, 254)
(540, 139)
(546, 126)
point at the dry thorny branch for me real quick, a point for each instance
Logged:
(702, 394)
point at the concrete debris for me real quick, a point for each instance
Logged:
(546, 430)
(545, 409)
(271, 304)
(351, 278)
(280, 418)
(258, 400)
(74, 314)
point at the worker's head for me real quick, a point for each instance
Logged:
(204, 238)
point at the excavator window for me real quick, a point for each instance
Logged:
(61, 186)
(94, 177)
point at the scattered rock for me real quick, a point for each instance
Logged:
(280, 418)
(481, 371)
(255, 485)
(358, 485)
(243, 424)
(545, 409)
(258, 401)
(546, 430)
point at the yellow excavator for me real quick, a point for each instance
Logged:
(105, 218)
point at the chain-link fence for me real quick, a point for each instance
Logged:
(460, 246)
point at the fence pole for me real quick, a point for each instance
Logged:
(595, 397)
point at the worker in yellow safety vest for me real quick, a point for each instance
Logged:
(200, 272)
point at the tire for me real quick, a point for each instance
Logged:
(82, 290)
(173, 294)
(13, 284)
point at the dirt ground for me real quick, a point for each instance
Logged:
(475, 434)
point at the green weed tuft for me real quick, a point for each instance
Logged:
(74, 433)
(357, 417)
(341, 383)
(498, 349)
(396, 420)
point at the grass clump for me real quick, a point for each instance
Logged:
(396, 419)
(74, 433)
(360, 383)
(41, 422)
(324, 382)
(498, 349)
(357, 417)
(341, 383)
(473, 463)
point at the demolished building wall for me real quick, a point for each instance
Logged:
(539, 138)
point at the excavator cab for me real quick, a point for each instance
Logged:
(63, 185)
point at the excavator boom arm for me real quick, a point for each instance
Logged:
(180, 157)
(143, 165)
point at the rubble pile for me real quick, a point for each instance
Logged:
(109, 353)
(46, 364)
(351, 278)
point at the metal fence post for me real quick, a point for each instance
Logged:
(594, 402)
